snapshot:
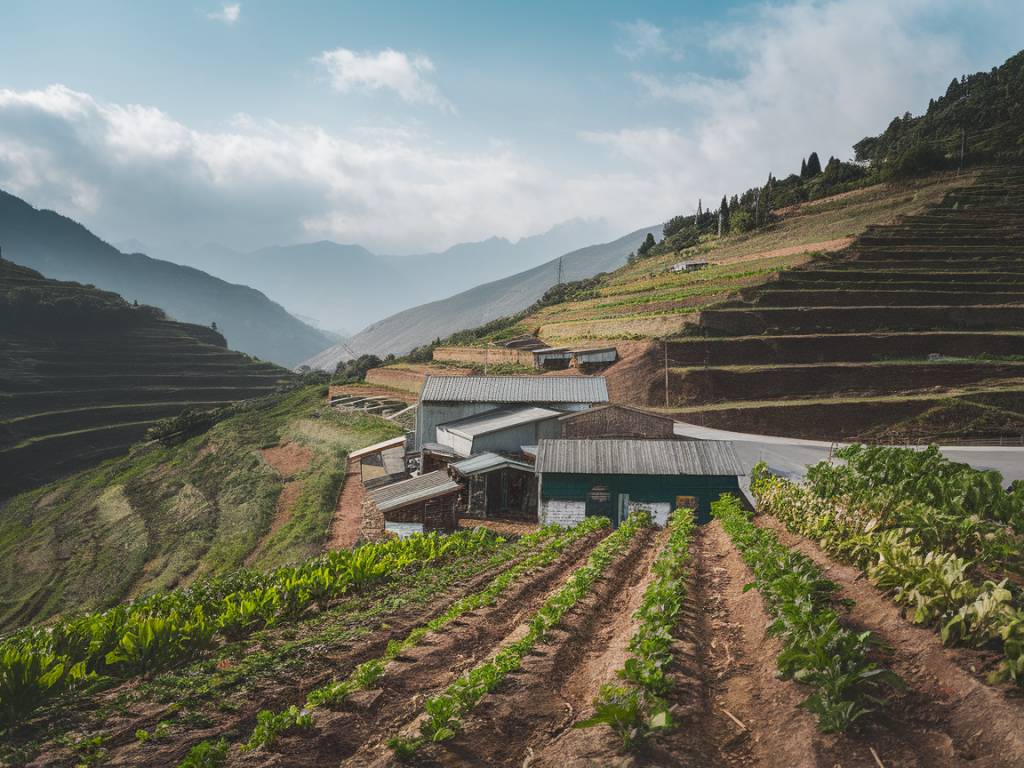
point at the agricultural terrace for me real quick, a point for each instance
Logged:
(257, 489)
(868, 616)
(645, 300)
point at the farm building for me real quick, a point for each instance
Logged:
(499, 429)
(616, 421)
(552, 358)
(581, 478)
(381, 463)
(498, 486)
(593, 358)
(429, 502)
(445, 399)
(687, 266)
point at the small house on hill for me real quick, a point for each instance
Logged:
(688, 266)
(498, 486)
(430, 502)
(580, 478)
(446, 399)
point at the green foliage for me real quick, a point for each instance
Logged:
(816, 649)
(156, 632)
(206, 754)
(270, 726)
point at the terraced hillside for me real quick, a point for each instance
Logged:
(83, 375)
(915, 330)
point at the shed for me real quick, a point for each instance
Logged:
(552, 357)
(597, 356)
(498, 486)
(433, 499)
(688, 266)
(445, 399)
(499, 429)
(617, 421)
(581, 478)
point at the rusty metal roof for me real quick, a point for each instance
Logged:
(638, 457)
(413, 491)
(515, 389)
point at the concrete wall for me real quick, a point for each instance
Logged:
(565, 513)
(659, 510)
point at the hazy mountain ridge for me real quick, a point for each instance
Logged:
(347, 286)
(418, 325)
(63, 249)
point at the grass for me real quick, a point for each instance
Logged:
(196, 508)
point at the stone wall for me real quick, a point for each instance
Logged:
(564, 513)
(484, 355)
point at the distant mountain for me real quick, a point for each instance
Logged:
(65, 250)
(412, 327)
(347, 286)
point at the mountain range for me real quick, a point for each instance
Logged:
(345, 287)
(418, 325)
(63, 249)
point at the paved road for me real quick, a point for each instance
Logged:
(790, 457)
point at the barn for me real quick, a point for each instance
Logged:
(430, 502)
(616, 420)
(445, 399)
(580, 478)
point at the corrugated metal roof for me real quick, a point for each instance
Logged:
(378, 447)
(515, 389)
(497, 420)
(638, 457)
(617, 407)
(414, 490)
(488, 462)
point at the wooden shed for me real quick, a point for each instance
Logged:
(498, 486)
(583, 478)
(617, 421)
(434, 501)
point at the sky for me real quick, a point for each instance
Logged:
(408, 127)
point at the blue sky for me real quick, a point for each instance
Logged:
(411, 126)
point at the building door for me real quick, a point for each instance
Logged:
(599, 502)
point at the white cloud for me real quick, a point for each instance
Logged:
(389, 70)
(642, 38)
(229, 13)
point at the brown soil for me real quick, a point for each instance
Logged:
(265, 692)
(500, 527)
(825, 246)
(529, 718)
(287, 459)
(948, 716)
(356, 733)
(348, 513)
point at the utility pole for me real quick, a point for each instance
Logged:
(719, 222)
(559, 271)
(665, 342)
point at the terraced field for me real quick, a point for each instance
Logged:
(74, 392)
(916, 330)
(762, 639)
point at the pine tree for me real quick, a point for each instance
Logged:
(813, 165)
(803, 169)
(724, 212)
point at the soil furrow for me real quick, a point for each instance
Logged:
(267, 693)
(947, 716)
(356, 732)
(529, 717)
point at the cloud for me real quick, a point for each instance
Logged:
(389, 70)
(229, 13)
(641, 38)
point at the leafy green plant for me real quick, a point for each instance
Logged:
(272, 725)
(206, 754)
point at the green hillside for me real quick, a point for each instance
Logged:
(162, 515)
(84, 374)
(65, 250)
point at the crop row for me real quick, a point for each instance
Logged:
(638, 707)
(933, 584)
(445, 712)
(37, 665)
(554, 540)
(817, 650)
(945, 506)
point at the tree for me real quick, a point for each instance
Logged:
(647, 244)
(214, 325)
(813, 165)
(724, 210)
(803, 169)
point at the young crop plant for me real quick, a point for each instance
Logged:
(638, 707)
(816, 649)
(933, 585)
(156, 632)
(270, 726)
(206, 754)
(446, 711)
